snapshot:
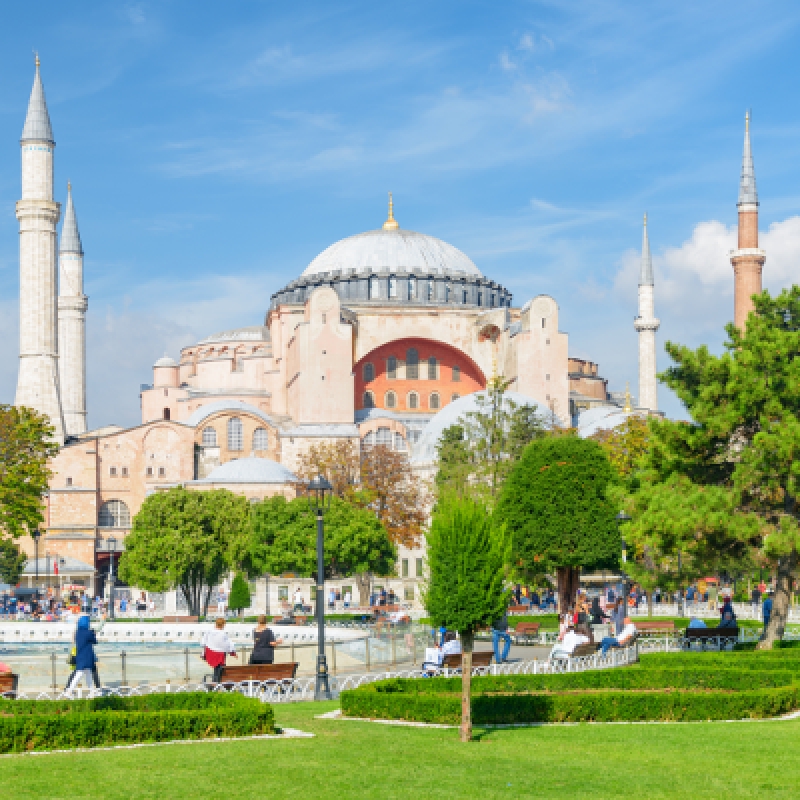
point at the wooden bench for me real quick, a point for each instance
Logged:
(588, 649)
(526, 630)
(654, 626)
(519, 609)
(8, 684)
(236, 673)
(480, 658)
(719, 636)
(180, 619)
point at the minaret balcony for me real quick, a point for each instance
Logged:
(644, 324)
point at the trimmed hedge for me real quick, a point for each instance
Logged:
(610, 706)
(47, 725)
(730, 679)
(758, 660)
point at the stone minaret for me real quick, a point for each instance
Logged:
(38, 213)
(646, 325)
(748, 260)
(72, 305)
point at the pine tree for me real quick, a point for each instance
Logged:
(466, 558)
(239, 598)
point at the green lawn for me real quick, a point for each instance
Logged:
(352, 760)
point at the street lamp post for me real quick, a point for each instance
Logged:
(112, 546)
(319, 500)
(622, 517)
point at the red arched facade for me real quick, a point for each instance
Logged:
(442, 374)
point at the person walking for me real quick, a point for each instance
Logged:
(216, 647)
(500, 632)
(85, 658)
(766, 609)
(264, 643)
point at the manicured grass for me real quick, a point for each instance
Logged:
(362, 759)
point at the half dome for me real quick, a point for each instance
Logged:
(251, 470)
(393, 250)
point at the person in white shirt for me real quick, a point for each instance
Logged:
(452, 646)
(624, 637)
(348, 598)
(571, 640)
(298, 599)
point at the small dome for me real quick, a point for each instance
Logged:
(601, 418)
(251, 470)
(166, 361)
(425, 448)
(395, 250)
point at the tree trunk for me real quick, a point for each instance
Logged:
(780, 602)
(466, 686)
(650, 603)
(567, 580)
(363, 583)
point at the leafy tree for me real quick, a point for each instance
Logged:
(476, 455)
(12, 561)
(741, 449)
(554, 504)
(466, 560)
(188, 540)
(284, 539)
(377, 478)
(239, 598)
(625, 445)
(25, 446)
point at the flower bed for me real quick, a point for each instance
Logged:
(686, 692)
(59, 724)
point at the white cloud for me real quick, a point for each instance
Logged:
(526, 42)
(506, 63)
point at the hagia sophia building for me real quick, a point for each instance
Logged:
(384, 338)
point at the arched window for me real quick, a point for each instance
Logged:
(392, 288)
(369, 400)
(166, 413)
(374, 289)
(412, 364)
(399, 442)
(235, 434)
(369, 372)
(369, 439)
(412, 288)
(260, 440)
(391, 400)
(465, 299)
(431, 291)
(432, 369)
(454, 397)
(433, 401)
(391, 367)
(114, 514)
(209, 437)
(384, 437)
(447, 293)
(456, 373)
(413, 400)
(480, 299)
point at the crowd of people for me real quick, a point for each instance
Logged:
(49, 606)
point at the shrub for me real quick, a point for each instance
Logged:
(44, 724)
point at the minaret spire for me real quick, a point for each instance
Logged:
(646, 325)
(748, 260)
(72, 305)
(38, 384)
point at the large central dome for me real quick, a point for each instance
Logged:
(395, 250)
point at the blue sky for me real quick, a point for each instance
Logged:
(215, 149)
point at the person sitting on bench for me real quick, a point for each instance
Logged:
(264, 642)
(728, 618)
(625, 636)
(216, 646)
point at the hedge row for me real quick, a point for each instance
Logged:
(758, 660)
(445, 708)
(82, 727)
(691, 678)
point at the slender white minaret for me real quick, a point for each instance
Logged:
(646, 324)
(38, 213)
(72, 305)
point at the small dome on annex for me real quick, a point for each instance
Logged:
(425, 448)
(166, 361)
(250, 470)
(601, 418)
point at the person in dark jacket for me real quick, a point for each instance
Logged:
(264, 643)
(85, 658)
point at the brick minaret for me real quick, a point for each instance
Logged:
(646, 325)
(72, 305)
(38, 214)
(747, 260)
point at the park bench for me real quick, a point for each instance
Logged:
(480, 658)
(263, 673)
(8, 684)
(654, 626)
(180, 619)
(521, 609)
(526, 631)
(588, 649)
(705, 636)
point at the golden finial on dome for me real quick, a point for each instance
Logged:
(391, 222)
(628, 407)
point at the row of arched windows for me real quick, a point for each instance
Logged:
(114, 514)
(236, 436)
(431, 368)
(412, 400)
(384, 437)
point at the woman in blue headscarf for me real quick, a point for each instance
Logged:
(84, 655)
